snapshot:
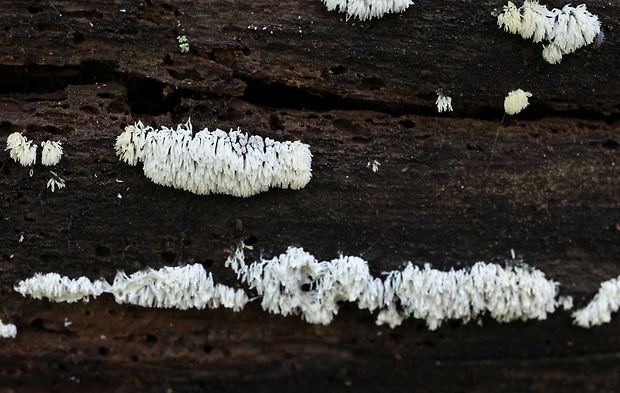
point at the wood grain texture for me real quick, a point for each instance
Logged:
(451, 190)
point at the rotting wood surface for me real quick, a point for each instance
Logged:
(450, 190)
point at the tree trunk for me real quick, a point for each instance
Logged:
(451, 189)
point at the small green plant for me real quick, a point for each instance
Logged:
(183, 44)
(182, 40)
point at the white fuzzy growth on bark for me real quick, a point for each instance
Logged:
(566, 302)
(281, 280)
(565, 30)
(552, 53)
(176, 287)
(21, 149)
(55, 183)
(169, 287)
(296, 283)
(537, 22)
(510, 19)
(604, 303)
(130, 144)
(7, 330)
(230, 163)
(51, 152)
(61, 289)
(367, 9)
(516, 101)
(507, 294)
(444, 103)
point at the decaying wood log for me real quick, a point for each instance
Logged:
(452, 189)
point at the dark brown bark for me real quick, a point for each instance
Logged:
(451, 190)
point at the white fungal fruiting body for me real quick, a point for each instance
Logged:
(537, 22)
(599, 310)
(566, 302)
(51, 152)
(61, 289)
(507, 294)
(130, 144)
(444, 103)
(552, 53)
(21, 149)
(7, 330)
(374, 165)
(55, 182)
(510, 18)
(296, 283)
(178, 287)
(281, 280)
(367, 9)
(565, 30)
(215, 162)
(516, 101)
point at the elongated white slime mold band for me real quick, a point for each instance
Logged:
(604, 303)
(507, 294)
(215, 162)
(170, 287)
(296, 283)
(367, 9)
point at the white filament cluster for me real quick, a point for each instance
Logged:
(565, 30)
(176, 287)
(24, 152)
(506, 294)
(61, 289)
(516, 101)
(21, 149)
(51, 152)
(296, 283)
(169, 287)
(599, 310)
(443, 103)
(215, 162)
(56, 183)
(7, 330)
(367, 9)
